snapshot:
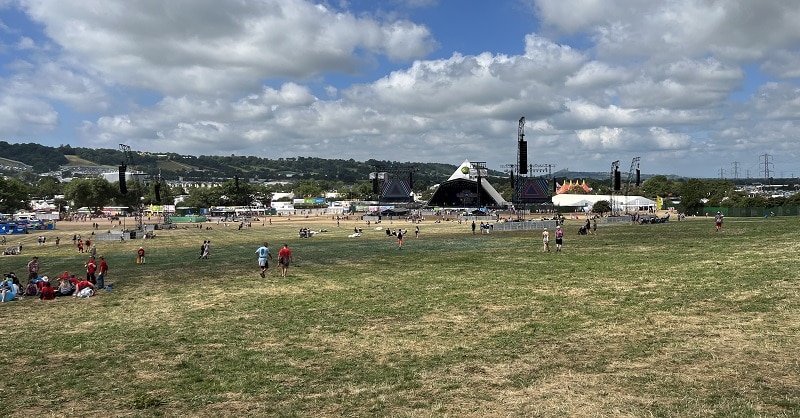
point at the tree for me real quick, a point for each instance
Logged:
(47, 187)
(236, 192)
(13, 195)
(692, 192)
(92, 193)
(261, 195)
(659, 186)
(307, 189)
(203, 197)
(601, 207)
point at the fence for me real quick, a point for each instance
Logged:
(755, 212)
(524, 225)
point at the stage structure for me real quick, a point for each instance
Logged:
(123, 187)
(530, 182)
(467, 188)
(615, 182)
(392, 185)
(634, 166)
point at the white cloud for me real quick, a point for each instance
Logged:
(203, 46)
(279, 78)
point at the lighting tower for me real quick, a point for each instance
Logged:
(614, 182)
(634, 166)
(522, 148)
(138, 211)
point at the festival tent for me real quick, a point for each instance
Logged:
(462, 190)
(620, 203)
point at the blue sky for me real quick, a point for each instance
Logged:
(693, 87)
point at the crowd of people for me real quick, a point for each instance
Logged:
(68, 283)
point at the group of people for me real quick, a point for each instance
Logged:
(559, 239)
(264, 255)
(484, 228)
(400, 233)
(11, 250)
(205, 250)
(69, 284)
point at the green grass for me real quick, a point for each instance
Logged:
(651, 320)
(74, 160)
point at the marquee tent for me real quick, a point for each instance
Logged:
(619, 203)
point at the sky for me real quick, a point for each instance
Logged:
(697, 88)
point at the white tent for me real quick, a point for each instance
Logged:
(619, 203)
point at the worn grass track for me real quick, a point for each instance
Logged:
(650, 320)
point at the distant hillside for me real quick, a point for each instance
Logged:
(171, 166)
(201, 168)
(40, 157)
(13, 164)
(74, 160)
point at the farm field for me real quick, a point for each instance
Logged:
(639, 320)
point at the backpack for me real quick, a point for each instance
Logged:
(31, 289)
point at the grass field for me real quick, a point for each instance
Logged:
(74, 160)
(670, 320)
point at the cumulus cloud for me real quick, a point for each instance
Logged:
(279, 78)
(199, 46)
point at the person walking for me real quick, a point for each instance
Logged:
(263, 256)
(718, 220)
(545, 241)
(473, 227)
(202, 250)
(560, 238)
(284, 258)
(206, 250)
(140, 255)
(399, 239)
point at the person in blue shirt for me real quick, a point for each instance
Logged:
(263, 256)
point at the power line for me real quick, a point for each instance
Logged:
(767, 164)
(735, 170)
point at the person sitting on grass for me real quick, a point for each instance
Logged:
(65, 287)
(47, 293)
(84, 289)
(8, 291)
(31, 289)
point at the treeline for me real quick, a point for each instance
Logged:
(40, 157)
(171, 166)
(697, 194)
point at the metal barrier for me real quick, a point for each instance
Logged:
(524, 225)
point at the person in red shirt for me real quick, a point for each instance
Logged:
(84, 289)
(47, 293)
(73, 280)
(102, 270)
(140, 254)
(284, 257)
(91, 269)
